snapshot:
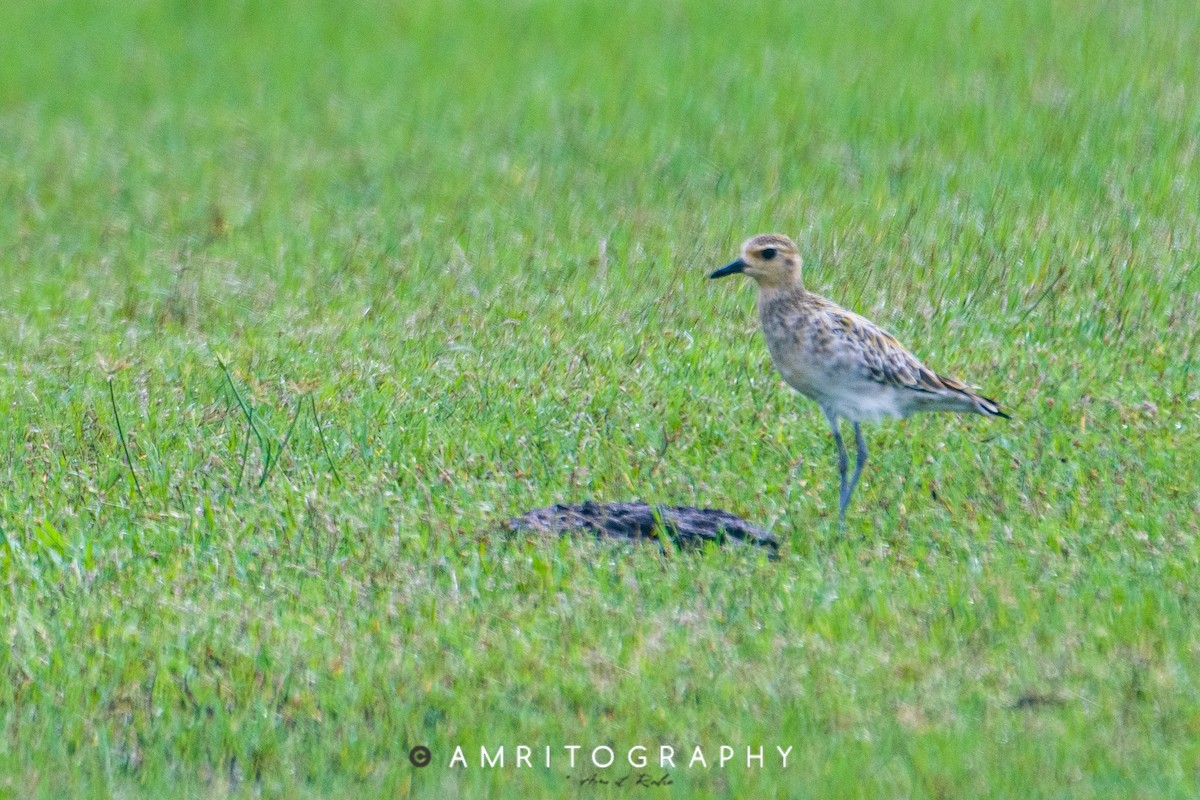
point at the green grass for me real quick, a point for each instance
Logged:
(455, 256)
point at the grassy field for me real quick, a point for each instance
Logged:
(351, 284)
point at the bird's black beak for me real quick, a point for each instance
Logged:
(730, 269)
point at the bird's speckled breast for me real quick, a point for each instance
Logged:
(794, 338)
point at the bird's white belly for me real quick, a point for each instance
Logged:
(839, 391)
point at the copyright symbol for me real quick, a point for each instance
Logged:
(420, 756)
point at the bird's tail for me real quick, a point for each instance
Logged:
(988, 407)
(977, 402)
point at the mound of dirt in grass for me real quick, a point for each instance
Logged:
(684, 525)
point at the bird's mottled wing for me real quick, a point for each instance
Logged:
(879, 357)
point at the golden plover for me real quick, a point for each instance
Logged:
(850, 366)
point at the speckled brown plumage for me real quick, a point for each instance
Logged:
(851, 367)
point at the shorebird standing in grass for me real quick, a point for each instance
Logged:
(852, 368)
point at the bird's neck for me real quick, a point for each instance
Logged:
(768, 291)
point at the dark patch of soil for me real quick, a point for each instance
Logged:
(684, 525)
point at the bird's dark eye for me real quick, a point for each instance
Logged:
(767, 253)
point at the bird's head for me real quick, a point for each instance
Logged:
(770, 258)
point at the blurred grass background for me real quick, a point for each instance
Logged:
(452, 257)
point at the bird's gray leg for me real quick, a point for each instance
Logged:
(859, 462)
(843, 466)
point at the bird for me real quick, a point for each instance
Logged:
(852, 368)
